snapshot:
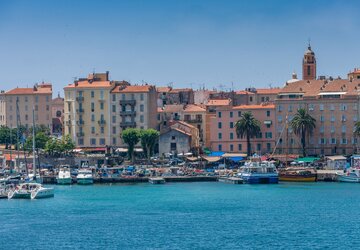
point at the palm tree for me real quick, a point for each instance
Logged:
(302, 124)
(357, 130)
(247, 127)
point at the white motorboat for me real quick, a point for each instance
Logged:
(85, 177)
(351, 175)
(30, 191)
(64, 176)
(259, 172)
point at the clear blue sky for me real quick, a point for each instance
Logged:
(249, 43)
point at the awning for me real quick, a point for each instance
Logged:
(332, 93)
(216, 153)
(236, 159)
(192, 158)
(138, 150)
(307, 159)
(228, 155)
(211, 158)
(121, 150)
(77, 150)
(336, 157)
(267, 122)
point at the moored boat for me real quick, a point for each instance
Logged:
(30, 191)
(85, 177)
(259, 173)
(351, 175)
(297, 174)
(64, 176)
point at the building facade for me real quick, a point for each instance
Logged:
(57, 113)
(16, 106)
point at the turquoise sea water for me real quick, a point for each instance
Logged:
(186, 216)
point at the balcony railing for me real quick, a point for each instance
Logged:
(80, 122)
(196, 120)
(127, 102)
(80, 111)
(127, 124)
(102, 100)
(80, 134)
(101, 122)
(128, 112)
(80, 99)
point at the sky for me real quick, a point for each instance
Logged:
(213, 43)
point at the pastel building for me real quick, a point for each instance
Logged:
(57, 113)
(223, 135)
(20, 102)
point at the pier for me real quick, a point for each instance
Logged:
(231, 180)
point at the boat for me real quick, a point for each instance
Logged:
(4, 189)
(30, 191)
(297, 174)
(85, 177)
(259, 173)
(351, 175)
(64, 176)
(157, 180)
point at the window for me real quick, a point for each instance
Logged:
(173, 146)
(113, 108)
(141, 118)
(102, 141)
(231, 147)
(36, 107)
(219, 114)
(26, 99)
(322, 129)
(142, 108)
(219, 135)
(231, 136)
(93, 130)
(280, 108)
(268, 134)
(102, 106)
(36, 99)
(290, 108)
(114, 99)
(279, 118)
(343, 141)
(219, 124)
(332, 119)
(322, 140)
(102, 130)
(268, 113)
(251, 99)
(92, 117)
(268, 125)
(354, 140)
(308, 70)
(92, 107)
(132, 97)
(114, 141)
(332, 129)
(355, 118)
(220, 147)
(321, 107)
(258, 147)
(259, 135)
(355, 106)
(268, 147)
(231, 125)
(114, 130)
(322, 118)
(240, 147)
(239, 113)
(343, 118)
(26, 118)
(102, 94)
(122, 96)
(142, 97)
(333, 141)
(343, 128)
(81, 141)
(113, 118)
(173, 137)
(92, 141)
(343, 107)
(92, 96)
(332, 107)
(231, 114)
(311, 107)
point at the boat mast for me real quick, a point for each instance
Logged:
(33, 142)
(287, 141)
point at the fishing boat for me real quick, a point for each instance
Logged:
(85, 177)
(157, 180)
(64, 176)
(297, 174)
(259, 173)
(351, 175)
(30, 191)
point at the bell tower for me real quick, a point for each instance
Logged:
(309, 65)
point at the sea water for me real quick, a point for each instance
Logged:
(186, 216)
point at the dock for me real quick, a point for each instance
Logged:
(157, 180)
(231, 180)
(327, 175)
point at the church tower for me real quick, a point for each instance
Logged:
(309, 65)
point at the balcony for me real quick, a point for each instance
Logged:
(128, 124)
(80, 122)
(128, 112)
(80, 134)
(80, 99)
(101, 122)
(196, 120)
(68, 123)
(128, 102)
(80, 111)
(102, 100)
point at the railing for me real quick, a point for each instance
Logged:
(80, 134)
(80, 99)
(102, 100)
(80, 122)
(129, 102)
(80, 111)
(101, 122)
(129, 112)
(196, 120)
(127, 124)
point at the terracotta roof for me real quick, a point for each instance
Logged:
(87, 84)
(132, 89)
(261, 106)
(222, 102)
(163, 89)
(243, 92)
(184, 124)
(268, 91)
(171, 108)
(181, 131)
(194, 108)
(40, 89)
(180, 90)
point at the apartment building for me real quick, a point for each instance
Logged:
(132, 106)
(223, 135)
(19, 103)
(87, 110)
(57, 113)
(169, 95)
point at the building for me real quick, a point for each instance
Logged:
(309, 65)
(132, 106)
(354, 74)
(223, 135)
(87, 110)
(179, 138)
(57, 114)
(169, 95)
(19, 102)
(189, 113)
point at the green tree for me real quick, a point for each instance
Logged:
(67, 144)
(40, 141)
(131, 137)
(247, 127)
(302, 124)
(357, 130)
(148, 139)
(40, 128)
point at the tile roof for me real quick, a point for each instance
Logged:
(260, 106)
(132, 89)
(87, 84)
(180, 90)
(39, 89)
(171, 108)
(194, 108)
(163, 89)
(221, 102)
(268, 91)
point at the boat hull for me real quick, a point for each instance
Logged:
(345, 178)
(64, 181)
(84, 181)
(258, 179)
(43, 193)
(297, 178)
(19, 195)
